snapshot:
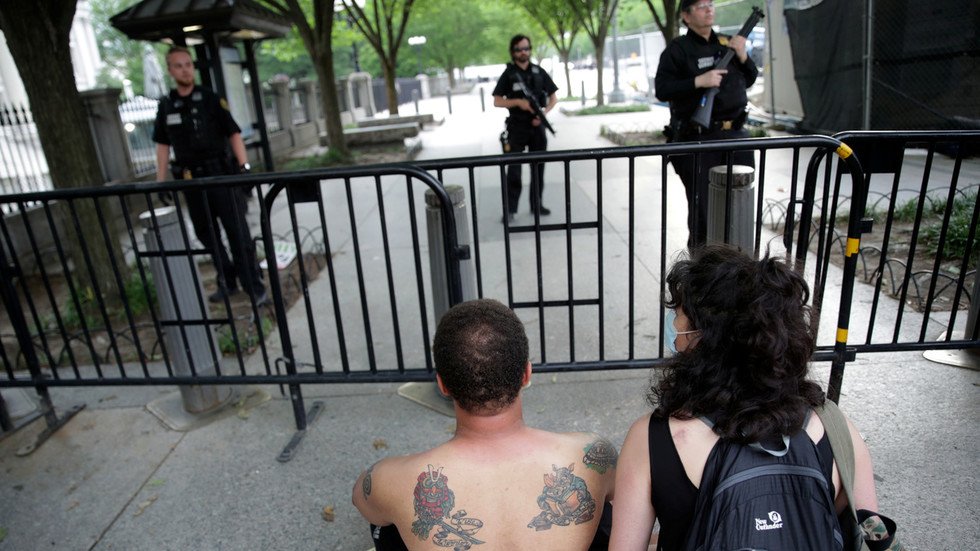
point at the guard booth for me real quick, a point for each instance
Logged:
(213, 28)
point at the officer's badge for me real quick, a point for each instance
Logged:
(723, 40)
(224, 104)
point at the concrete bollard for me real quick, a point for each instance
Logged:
(415, 100)
(449, 99)
(483, 101)
(197, 346)
(583, 93)
(437, 258)
(741, 225)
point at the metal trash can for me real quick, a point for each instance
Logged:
(741, 225)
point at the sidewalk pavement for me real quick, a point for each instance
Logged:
(115, 478)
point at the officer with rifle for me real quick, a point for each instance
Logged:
(528, 93)
(707, 101)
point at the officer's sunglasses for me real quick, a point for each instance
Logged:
(522, 49)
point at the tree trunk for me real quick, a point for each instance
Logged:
(37, 35)
(600, 97)
(563, 56)
(390, 91)
(331, 104)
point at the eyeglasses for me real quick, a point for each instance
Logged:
(523, 49)
(703, 6)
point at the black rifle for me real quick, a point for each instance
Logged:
(535, 106)
(702, 115)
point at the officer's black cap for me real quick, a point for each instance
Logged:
(685, 4)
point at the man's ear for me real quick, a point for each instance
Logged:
(441, 386)
(526, 379)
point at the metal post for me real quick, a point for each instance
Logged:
(449, 99)
(962, 357)
(437, 260)
(868, 62)
(583, 93)
(483, 101)
(415, 100)
(617, 95)
(740, 213)
(195, 349)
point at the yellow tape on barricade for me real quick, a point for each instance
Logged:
(842, 335)
(843, 151)
(853, 246)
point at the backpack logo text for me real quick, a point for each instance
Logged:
(775, 522)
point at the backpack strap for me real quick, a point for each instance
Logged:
(839, 435)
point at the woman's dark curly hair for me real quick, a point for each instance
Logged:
(748, 367)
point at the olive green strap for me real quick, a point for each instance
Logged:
(839, 435)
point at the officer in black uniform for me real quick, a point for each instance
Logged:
(524, 130)
(198, 125)
(685, 73)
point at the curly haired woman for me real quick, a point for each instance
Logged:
(743, 340)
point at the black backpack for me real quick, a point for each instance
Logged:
(752, 498)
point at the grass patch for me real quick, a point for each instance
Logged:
(608, 109)
(248, 340)
(956, 234)
(570, 98)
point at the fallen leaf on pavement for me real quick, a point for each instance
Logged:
(142, 506)
(380, 444)
(328, 514)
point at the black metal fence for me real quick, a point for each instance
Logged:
(352, 286)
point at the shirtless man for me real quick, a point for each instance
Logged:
(496, 483)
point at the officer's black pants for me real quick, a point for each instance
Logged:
(696, 186)
(531, 138)
(226, 206)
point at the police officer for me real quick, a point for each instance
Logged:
(524, 129)
(198, 125)
(685, 73)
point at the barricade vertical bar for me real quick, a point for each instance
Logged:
(791, 207)
(599, 240)
(536, 182)
(940, 250)
(854, 230)
(359, 267)
(331, 273)
(882, 259)
(757, 228)
(569, 264)
(507, 254)
(304, 281)
(393, 302)
(663, 251)
(476, 232)
(631, 241)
